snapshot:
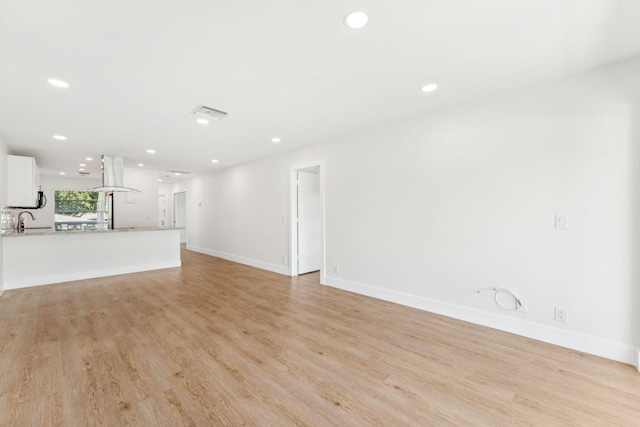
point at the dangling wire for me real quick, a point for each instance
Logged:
(517, 301)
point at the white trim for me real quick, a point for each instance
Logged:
(280, 269)
(293, 250)
(573, 340)
(293, 222)
(82, 275)
(186, 214)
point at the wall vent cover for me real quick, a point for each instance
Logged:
(210, 113)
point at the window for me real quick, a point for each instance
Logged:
(80, 210)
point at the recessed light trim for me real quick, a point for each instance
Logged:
(203, 121)
(60, 137)
(429, 87)
(58, 83)
(356, 20)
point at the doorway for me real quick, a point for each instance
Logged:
(180, 214)
(307, 219)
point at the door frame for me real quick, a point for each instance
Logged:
(173, 214)
(293, 210)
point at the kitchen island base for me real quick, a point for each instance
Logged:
(45, 258)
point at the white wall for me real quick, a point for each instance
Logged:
(3, 172)
(137, 209)
(237, 213)
(427, 211)
(3, 199)
(165, 190)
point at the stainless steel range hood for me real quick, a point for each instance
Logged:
(112, 171)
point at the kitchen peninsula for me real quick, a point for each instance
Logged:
(43, 256)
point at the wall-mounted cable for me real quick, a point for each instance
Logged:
(517, 303)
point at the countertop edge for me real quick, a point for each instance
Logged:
(51, 232)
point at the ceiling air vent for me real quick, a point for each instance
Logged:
(209, 113)
(84, 173)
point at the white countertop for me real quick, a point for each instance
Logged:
(52, 232)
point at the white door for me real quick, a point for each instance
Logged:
(309, 222)
(180, 214)
(162, 210)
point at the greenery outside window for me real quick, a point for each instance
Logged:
(80, 210)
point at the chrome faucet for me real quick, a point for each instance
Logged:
(21, 220)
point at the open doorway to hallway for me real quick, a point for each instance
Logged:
(307, 221)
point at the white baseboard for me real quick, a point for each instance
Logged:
(576, 341)
(71, 276)
(281, 269)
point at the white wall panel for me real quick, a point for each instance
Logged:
(427, 211)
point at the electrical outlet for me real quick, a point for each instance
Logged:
(562, 222)
(523, 307)
(562, 314)
(284, 259)
(336, 269)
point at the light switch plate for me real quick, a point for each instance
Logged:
(562, 222)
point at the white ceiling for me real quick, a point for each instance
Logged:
(280, 68)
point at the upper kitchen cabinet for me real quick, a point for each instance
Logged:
(23, 181)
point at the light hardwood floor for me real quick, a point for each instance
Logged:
(218, 343)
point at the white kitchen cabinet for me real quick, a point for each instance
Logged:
(23, 181)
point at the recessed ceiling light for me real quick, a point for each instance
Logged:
(275, 140)
(58, 83)
(356, 20)
(203, 121)
(159, 180)
(177, 173)
(82, 165)
(60, 137)
(81, 169)
(141, 165)
(61, 173)
(214, 161)
(88, 159)
(150, 151)
(430, 87)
